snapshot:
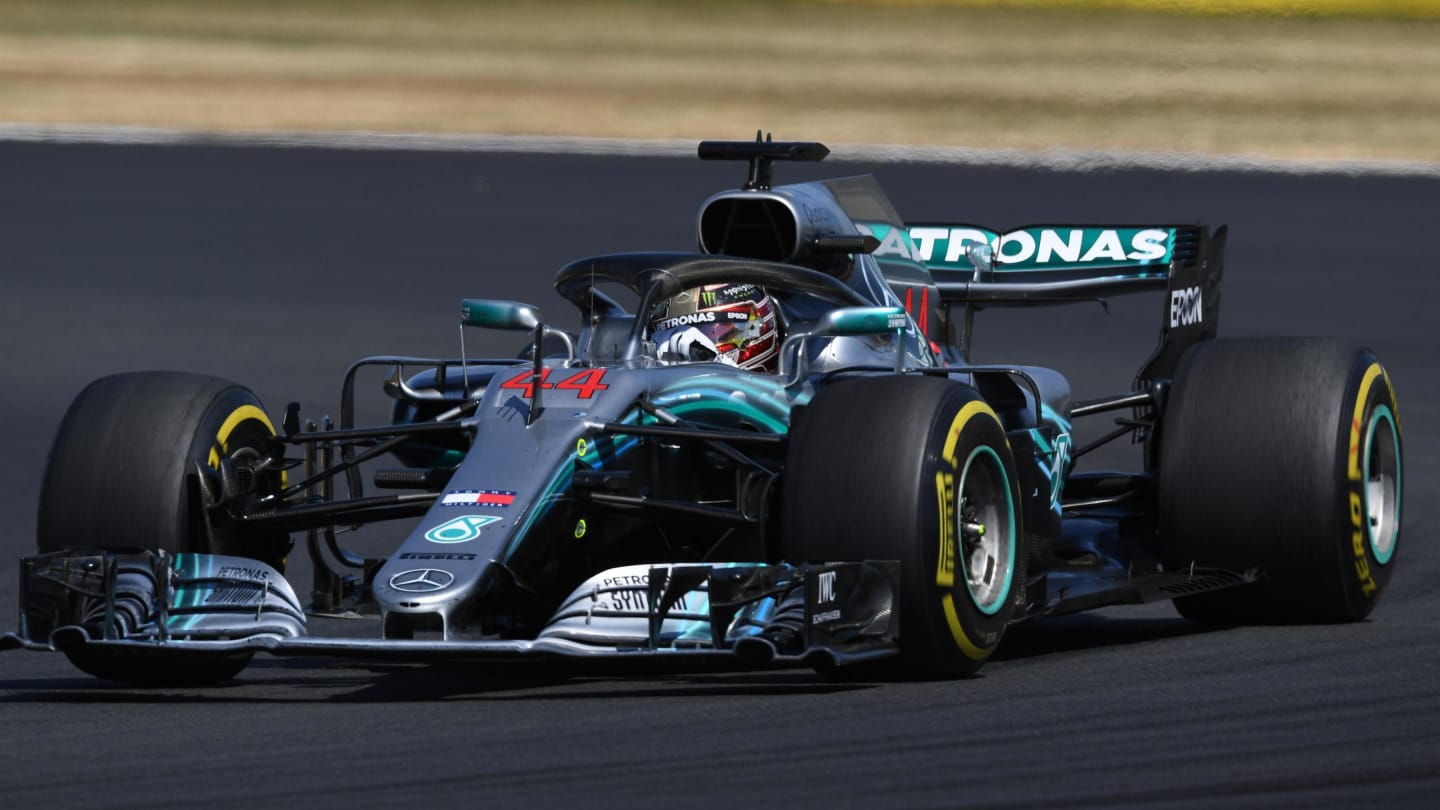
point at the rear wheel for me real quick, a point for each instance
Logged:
(918, 470)
(137, 458)
(1282, 455)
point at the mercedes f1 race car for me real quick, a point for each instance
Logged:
(771, 451)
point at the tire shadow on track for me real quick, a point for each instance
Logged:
(1090, 631)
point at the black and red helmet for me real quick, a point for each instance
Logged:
(738, 319)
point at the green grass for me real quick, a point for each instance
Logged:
(892, 72)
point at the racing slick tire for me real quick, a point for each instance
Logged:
(1282, 455)
(914, 469)
(122, 476)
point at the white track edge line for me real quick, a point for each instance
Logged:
(1058, 159)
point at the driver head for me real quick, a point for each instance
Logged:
(737, 320)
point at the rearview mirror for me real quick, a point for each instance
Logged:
(494, 314)
(850, 321)
(847, 322)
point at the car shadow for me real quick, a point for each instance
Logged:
(291, 681)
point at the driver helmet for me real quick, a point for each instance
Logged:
(729, 323)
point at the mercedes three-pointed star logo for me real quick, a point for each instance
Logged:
(422, 580)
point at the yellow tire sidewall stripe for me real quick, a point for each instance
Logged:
(236, 417)
(971, 650)
(1356, 427)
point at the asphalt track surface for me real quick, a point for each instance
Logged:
(277, 267)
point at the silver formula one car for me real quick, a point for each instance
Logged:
(771, 451)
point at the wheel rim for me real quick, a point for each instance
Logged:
(1382, 483)
(986, 529)
(241, 437)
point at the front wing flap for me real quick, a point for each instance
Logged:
(72, 597)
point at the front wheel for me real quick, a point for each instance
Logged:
(132, 468)
(918, 470)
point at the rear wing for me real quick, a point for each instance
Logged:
(1053, 264)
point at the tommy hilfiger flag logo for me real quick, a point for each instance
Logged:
(479, 497)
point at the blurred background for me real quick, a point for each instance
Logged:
(1283, 78)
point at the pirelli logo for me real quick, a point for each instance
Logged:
(945, 496)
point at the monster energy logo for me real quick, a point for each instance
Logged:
(728, 295)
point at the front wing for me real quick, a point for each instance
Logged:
(215, 604)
